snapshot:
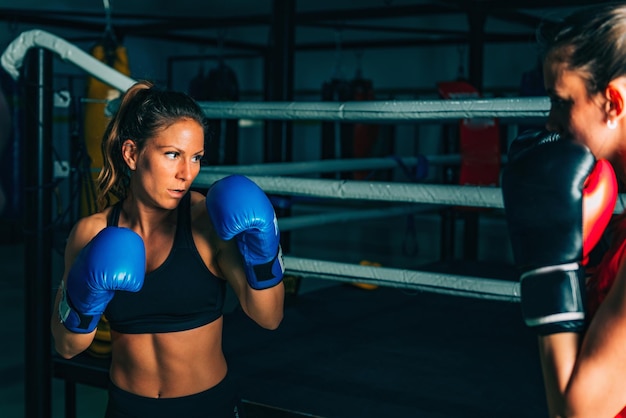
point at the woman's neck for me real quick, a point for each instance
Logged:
(146, 218)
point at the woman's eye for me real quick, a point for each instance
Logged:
(557, 102)
(171, 155)
(197, 158)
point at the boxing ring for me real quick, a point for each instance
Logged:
(29, 58)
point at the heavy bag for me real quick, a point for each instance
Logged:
(336, 136)
(365, 134)
(221, 85)
(97, 93)
(479, 139)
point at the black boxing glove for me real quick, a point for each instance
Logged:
(558, 200)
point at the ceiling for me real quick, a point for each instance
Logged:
(368, 23)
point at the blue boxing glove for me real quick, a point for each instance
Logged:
(240, 209)
(115, 259)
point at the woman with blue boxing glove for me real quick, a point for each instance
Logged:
(156, 259)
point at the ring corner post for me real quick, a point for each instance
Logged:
(37, 172)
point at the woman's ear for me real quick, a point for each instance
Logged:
(615, 94)
(129, 153)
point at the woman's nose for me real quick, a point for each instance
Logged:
(552, 124)
(184, 170)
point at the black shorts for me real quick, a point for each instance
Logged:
(221, 401)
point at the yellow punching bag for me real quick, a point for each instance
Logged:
(95, 122)
(101, 345)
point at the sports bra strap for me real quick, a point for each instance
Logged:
(114, 216)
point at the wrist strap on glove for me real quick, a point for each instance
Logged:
(74, 320)
(553, 300)
(264, 276)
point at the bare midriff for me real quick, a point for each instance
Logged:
(169, 365)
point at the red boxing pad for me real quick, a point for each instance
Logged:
(599, 198)
(365, 134)
(480, 151)
(479, 139)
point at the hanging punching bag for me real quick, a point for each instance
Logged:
(97, 94)
(365, 134)
(479, 139)
(196, 87)
(336, 136)
(221, 85)
(532, 85)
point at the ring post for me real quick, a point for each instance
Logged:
(37, 167)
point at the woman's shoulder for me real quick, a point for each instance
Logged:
(82, 232)
(88, 227)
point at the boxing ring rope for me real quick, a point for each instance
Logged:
(305, 221)
(448, 284)
(324, 166)
(437, 194)
(476, 196)
(507, 109)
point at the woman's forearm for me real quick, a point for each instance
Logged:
(558, 354)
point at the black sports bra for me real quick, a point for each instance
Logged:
(181, 294)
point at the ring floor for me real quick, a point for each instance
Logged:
(342, 351)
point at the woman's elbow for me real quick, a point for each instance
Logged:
(67, 351)
(269, 322)
(274, 323)
(592, 406)
(69, 345)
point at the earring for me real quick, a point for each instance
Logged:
(611, 124)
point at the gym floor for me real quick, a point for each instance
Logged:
(343, 351)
